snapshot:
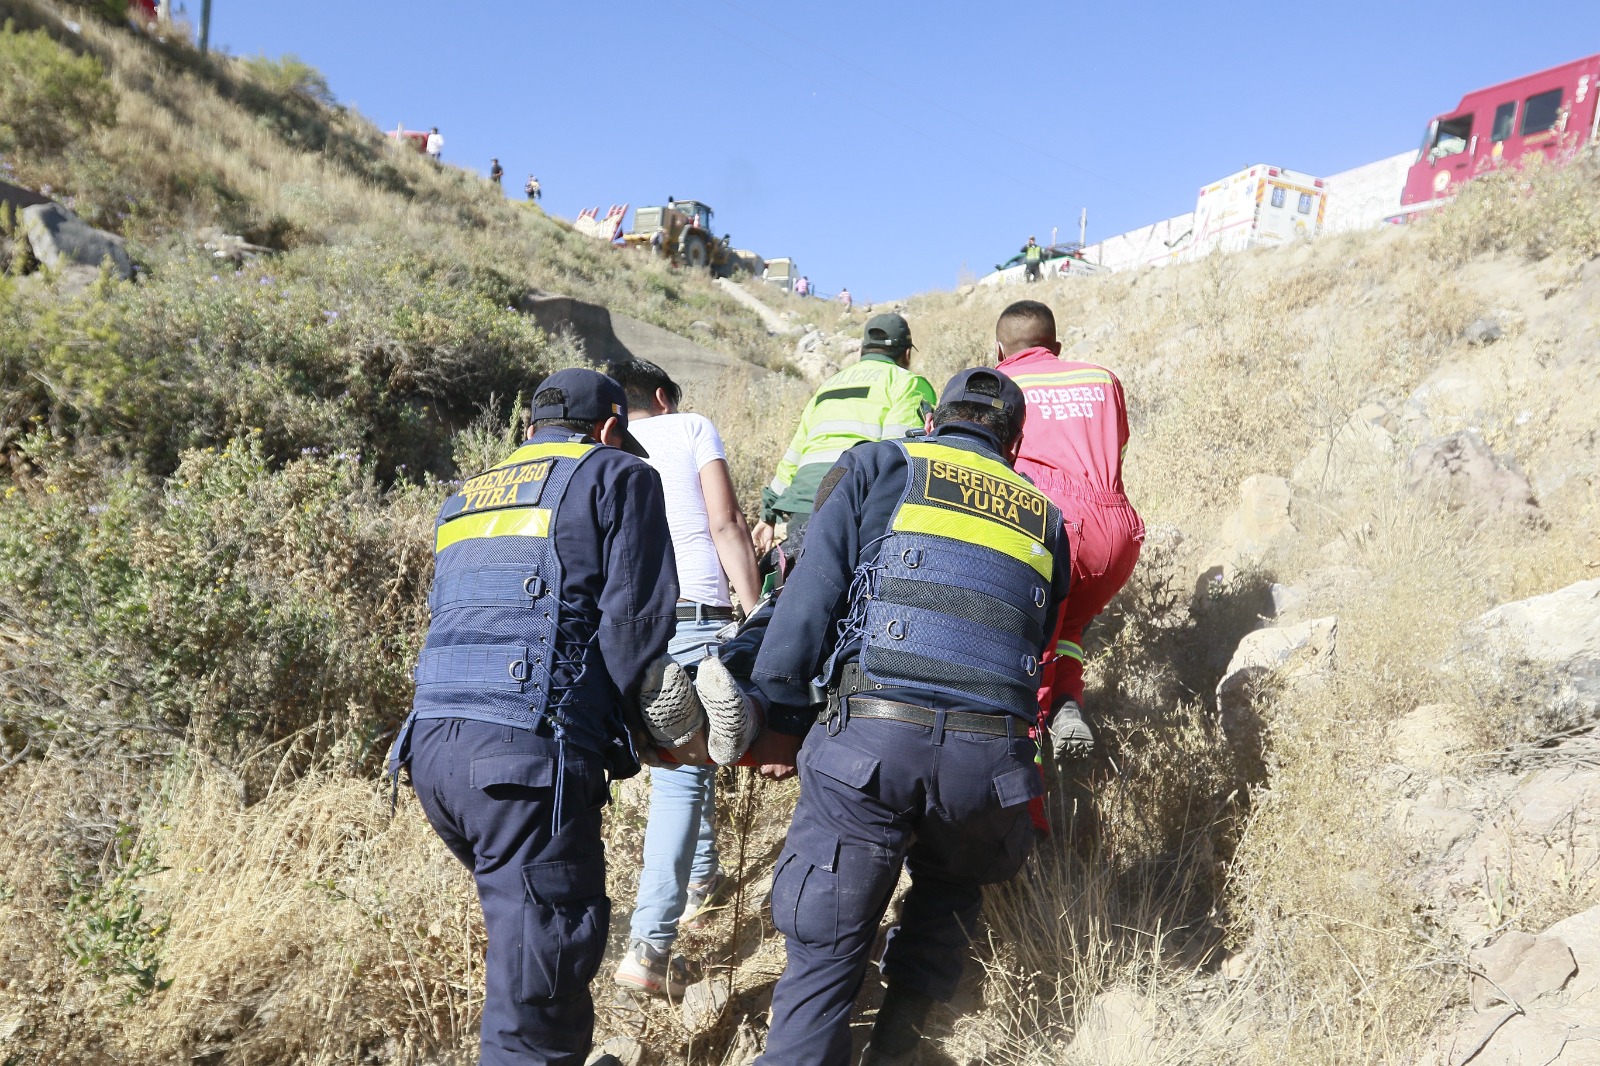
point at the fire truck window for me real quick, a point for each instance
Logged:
(1452, 136)
(1541, 112)
(1305, 204)
(1505, 121)
(1277, 196)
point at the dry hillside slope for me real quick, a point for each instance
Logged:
(1346, 805)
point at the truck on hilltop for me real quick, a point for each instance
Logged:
(1552, 114)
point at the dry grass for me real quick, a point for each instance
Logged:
(151, 916)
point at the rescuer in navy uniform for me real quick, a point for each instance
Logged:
(553, 596)
(942, 572)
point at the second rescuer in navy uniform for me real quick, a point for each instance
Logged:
(553, 594)
(942, 571)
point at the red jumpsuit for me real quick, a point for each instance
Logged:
(1073, 438)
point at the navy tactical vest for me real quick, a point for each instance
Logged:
(502, 647)
(955, 601)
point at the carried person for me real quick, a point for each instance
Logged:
(554, 598)
(931, 577)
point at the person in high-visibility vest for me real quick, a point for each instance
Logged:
(878, 398)
(1074, 433)
(1033, 255)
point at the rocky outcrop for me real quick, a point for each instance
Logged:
(61, 239)
(1364, 443)
(1550, 645)
(1262, 520)
(1463, 473)
(1535, 1001)
(820, 354)
(1296, 655)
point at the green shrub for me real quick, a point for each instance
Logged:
(361, 350)
(48, 96)
(232, 605)
(289, 75)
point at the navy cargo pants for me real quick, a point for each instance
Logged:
(951, 806)
(527, 824)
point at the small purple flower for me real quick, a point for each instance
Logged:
(215, 278)
(331, 316)
(266, 279)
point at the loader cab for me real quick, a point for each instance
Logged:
(694, 209)
(1549, 114)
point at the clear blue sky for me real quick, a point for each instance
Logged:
(887, 146)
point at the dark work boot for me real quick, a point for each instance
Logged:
(898, 1030)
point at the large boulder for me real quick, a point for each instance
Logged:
(1365, 443)
(1462, 471)
(1536, 999)
(1262, 521)
(1549, 644)
(61, 239)
(1297, 655)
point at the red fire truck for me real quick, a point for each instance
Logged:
(1552, 113)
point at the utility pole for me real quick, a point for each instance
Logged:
(205, 26)
(164, 12)
(1083, 229)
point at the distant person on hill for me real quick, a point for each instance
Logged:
(434, 146)
(878, 398)
(682, 876)
(496, 172)
(532, 188)
(846, 299)
(1033, 256)
(803, 286)
(1074, 433)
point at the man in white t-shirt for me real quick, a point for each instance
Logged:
(434, 145)
(711, 542)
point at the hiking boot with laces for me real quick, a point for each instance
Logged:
(705, 899)
(654, 971)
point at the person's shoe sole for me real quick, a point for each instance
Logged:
(669, 705)
(732, 719)
(649, 985)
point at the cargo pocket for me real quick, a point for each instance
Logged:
(805, 889)
(565, 918)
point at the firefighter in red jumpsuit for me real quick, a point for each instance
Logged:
(1073, 437)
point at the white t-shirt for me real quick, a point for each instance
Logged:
(680, 446)
(435, 144)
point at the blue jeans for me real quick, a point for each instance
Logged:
(680, 843)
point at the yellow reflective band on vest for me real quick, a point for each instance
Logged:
(1095, 376)
(558, 450)
(510, 522)
(1069, 650)
(998, 510)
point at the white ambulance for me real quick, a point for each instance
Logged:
(1260, 205)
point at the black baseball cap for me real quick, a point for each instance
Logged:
(959, 390)
(887, 332)
(588, 396)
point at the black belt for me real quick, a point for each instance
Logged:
(699, 612)
(995, 725)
